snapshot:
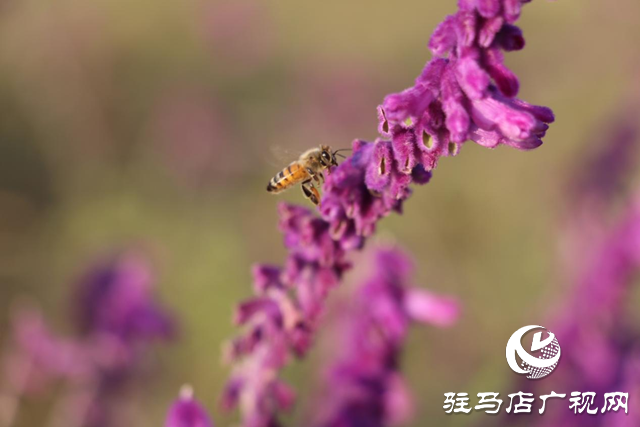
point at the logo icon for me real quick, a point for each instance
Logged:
(535, 367)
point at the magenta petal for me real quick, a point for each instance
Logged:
(426, 307)
(488, 8)
(405, 149)
(514, 124)
(466, 28)
(378, 173)
(452, 102)
(467, 4)
(409, 103)
(470, 76)
(489, 29)
(506, 81)
(486, 138)
(444, 37)
(525, 144)
(511, 10)
(265, 277)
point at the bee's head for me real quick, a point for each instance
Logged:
(327, 157)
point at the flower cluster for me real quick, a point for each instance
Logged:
(465, 92)
(280, 320)
(117, 318)
(363, 385)
(601, 350)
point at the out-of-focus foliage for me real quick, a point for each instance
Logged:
(153, 124)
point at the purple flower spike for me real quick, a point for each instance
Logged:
(467, 77)
(187, 412)
(464, 93)
(364, 386)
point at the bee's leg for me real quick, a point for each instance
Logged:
(310, 192)
(321, 176)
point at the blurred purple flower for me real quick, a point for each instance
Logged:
(186, 411)
(117, 319)
(600, 347)
(603, 175)
(40, 357)
(364, 385)
(453, 100)
(116, 298)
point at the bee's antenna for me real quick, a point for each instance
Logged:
(340, 155)
(342, 149)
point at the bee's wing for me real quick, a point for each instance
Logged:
(280, 156)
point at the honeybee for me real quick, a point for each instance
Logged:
(305, 170)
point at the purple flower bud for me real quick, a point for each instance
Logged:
(506, 81)
(444, 37)
(467, 4)
(513, 123)
(407, 104)
(511, 10)
(488, 8)
(405, 149)
(187, 412)
(510, 38)
(489, 29)
(378, 173)
(420, 175)
(264, 306)
(266, 277)
(466, 28)
(486, 138)
(470, 76)
(452, 103)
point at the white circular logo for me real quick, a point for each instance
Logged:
(536, 367)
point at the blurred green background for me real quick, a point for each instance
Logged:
(154, 124)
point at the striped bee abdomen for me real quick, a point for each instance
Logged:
(292, 174)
